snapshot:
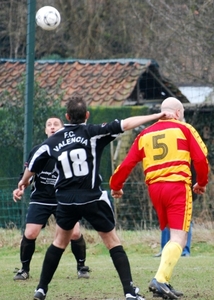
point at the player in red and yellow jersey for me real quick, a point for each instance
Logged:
(166, 150)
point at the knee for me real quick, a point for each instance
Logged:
(75, 235)
(110, 239)
(31, 233)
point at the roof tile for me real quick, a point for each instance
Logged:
(78, 66)
(104, 82)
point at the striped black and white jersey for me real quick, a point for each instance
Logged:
(77, 150)
(42, 183)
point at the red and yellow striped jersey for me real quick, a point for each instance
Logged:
(166, 150)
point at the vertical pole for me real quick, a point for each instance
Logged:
(29, 91)
(29, 86)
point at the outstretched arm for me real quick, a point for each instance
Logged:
(132, 122)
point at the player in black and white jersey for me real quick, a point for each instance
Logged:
(42, 205)
(77, 148)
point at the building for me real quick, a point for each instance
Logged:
(112, 82)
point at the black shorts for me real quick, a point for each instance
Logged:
(39, 213)
(98, 213)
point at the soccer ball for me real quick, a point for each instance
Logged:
(48, 18)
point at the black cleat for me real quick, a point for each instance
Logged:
(136, 296)
(21, 275)
(83, 272)
(163, 290)
(177, 293)
(39, 295)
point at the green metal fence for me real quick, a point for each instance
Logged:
(133, 211)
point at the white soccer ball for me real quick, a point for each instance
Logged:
(48, 18)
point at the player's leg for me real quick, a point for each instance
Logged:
(100, 215)
(171, 254)
(178, 216)
(165, 236)
(78, 247)
(51, 260)
(63, 232)
(121, 263)
(27, 249)
(187, 248)
(37, 217)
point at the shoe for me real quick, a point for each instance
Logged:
(158, 254)
(185, 254)
(21, 275)
(39, 295)
(163, 290)
(136, 296)
(177, 293)
(83, 272)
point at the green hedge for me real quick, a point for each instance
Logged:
(134, 210)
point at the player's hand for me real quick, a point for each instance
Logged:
(17, 194)
(166, 115)
(117, 194)
(199, 189)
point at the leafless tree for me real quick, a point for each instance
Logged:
(178, 34)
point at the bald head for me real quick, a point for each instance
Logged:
(174, 106)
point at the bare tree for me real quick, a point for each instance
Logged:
(13, 28)
(180, 37)
(178, 34)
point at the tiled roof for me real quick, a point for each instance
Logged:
(100, 82)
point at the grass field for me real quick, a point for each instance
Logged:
(193, 275)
